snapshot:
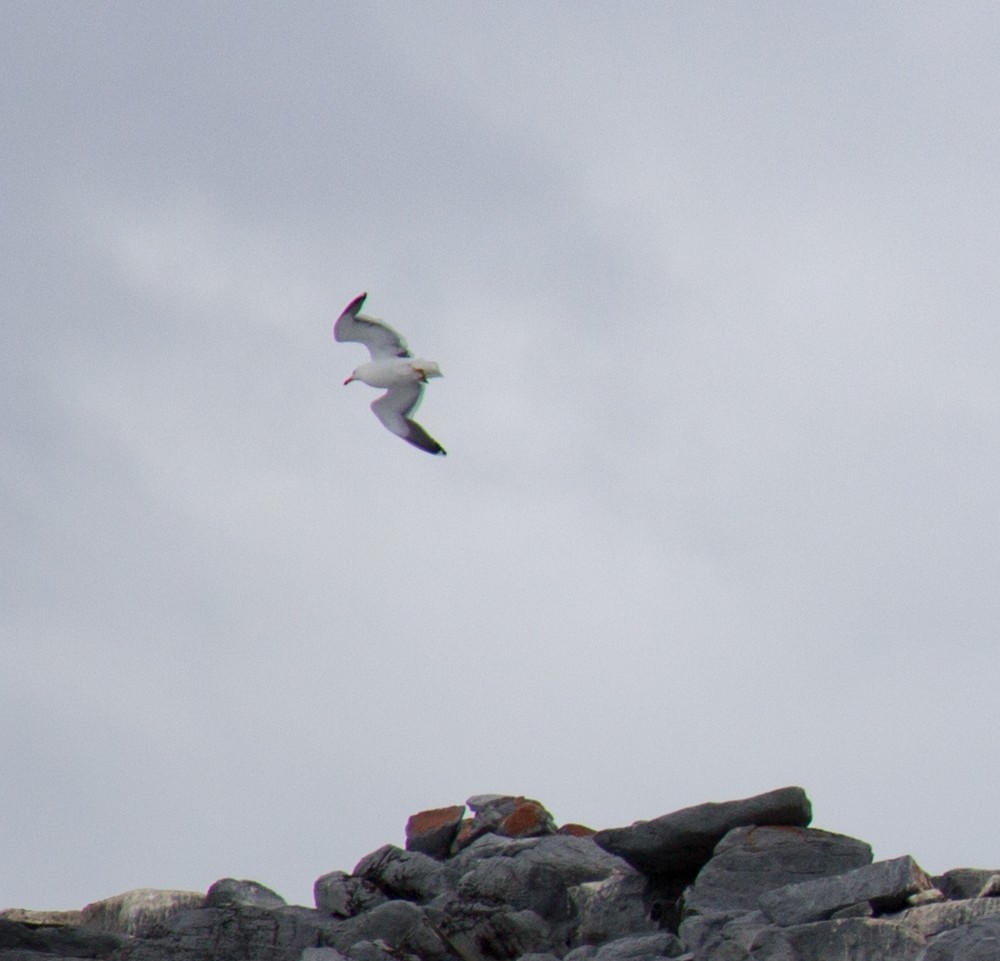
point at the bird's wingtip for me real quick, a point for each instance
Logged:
(351, 310)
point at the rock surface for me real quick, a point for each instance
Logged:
(345, 895)
(749, 862)
(229, 893)
(678, 845)
(138, 911)
(885, 885)
(979, 941)
(433, 832)
(743, 880)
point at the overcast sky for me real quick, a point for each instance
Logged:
(714, 288)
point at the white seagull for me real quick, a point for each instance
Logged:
(392, 366)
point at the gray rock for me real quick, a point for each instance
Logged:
(504, 814)
(229, 892)
(238, 933)
(610, 909)
(344, 895)
(56, 941)
(403, 874)
(749, 861)
(433, 832)
(722, 937)
(928, 896)
(932, 919)
(852, 939)
(577, 860)
(377, 951)
(498, 804)
(321, 954)
(49, 919)
(482, 932)
(488, 810)
(485, 846)
(961, 883)
(401, 925)
(678, 845)
(633, 948)
(491, 809)
(991, 889)
(517, 883)
(979, 941)
(886, 884)
(863, 909)
(137, 911)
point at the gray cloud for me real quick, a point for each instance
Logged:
(714, 294)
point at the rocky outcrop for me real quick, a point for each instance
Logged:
(678, 845)
(745, 880)
(139, 911)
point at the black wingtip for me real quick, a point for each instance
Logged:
(355, 305)
(351, 310)
(418, 437)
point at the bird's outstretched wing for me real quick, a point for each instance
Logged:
(393, 408)
(380, 339)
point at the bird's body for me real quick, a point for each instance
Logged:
(393, 368)
(395, 372)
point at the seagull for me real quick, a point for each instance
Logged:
(392, 366)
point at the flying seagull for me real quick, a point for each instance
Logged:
(393, 367)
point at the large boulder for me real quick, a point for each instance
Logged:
(519, 884)
(403, 874)
(49, 919)
(237, 933)
(885, 885)
(848, 939)
(931, 919)
(230, 892)
(138, 911)
(512, 816)
(678, 845)
(961, 883)
(750, 861)
(576, 860)
(979, 941)
(19, 940)
(485, 932)
(433, 832)
(644, 947)
(401, 925)
(722, 937)
(613, 908)
(344, 895)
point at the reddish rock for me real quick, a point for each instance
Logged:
(432, 832)
(468, 831)
(528, 820)
(576, 831)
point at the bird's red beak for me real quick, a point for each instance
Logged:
(349, 379)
